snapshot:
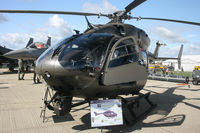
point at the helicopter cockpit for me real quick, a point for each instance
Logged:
(95, 52)
(79, 51)
(38, 45)
(91, 50)
(87, 49)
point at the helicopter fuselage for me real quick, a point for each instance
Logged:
(104, 61)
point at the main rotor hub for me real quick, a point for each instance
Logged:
(118, 16)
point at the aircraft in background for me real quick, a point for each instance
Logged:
(31, 52)
(11, 63)
(154, 56)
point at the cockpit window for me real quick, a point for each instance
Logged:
(144, 58)
(38, 45)
(53, 49)
(125, 52)
(83, 47)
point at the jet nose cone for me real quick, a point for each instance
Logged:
(17, 54)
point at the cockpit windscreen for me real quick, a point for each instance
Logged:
(38, 45)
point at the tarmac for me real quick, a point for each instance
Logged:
(177, 111)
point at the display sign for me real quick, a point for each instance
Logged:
(106, 112)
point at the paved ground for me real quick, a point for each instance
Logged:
(177, 111)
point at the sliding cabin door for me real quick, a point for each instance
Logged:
(125, 63)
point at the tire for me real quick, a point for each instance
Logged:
(187, 80)
(11, 69)
(38, 80)
(194, 82)
(63, 105)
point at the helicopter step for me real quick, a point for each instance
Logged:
(133, 110)
(48, 94)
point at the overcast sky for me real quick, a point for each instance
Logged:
(16, 29)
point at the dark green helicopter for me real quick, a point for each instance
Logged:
(103, 62)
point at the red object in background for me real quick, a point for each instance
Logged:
(38, 45)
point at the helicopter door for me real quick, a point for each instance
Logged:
(123, 63)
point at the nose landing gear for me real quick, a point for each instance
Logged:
(56, 102)
(60, 104)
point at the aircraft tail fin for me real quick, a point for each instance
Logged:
(158, 44)
(179, 56)
(29, 42)
(169, 58)
(95, 113)
(49, 41)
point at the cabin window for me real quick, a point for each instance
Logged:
(144, 58)
(125, 52)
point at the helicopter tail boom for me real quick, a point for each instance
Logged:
(178, 58)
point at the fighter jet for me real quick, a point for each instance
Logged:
(12, 63)
(31, 52)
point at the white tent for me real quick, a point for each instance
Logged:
(187, 62)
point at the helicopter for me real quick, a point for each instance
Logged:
(154, 56)
(102, 62)
(31, 52)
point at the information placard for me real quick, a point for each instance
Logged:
(106, 112)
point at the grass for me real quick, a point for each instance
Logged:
(188, 74)
(178, 73)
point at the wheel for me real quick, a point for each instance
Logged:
(194, 82)
(38, 80)
(28, 69)
(11, 69)
(187, 80)
(62, 105)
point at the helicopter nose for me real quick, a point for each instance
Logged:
(38, 67)
(16, 54)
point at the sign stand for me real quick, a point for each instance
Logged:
(109, 112)
(106, 112)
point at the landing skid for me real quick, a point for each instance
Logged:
(128, 107)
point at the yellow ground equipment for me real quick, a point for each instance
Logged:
(197, 68)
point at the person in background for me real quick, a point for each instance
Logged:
(167, 71)
(21, 72)
(36, 78)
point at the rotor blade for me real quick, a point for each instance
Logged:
(52, 12)
(133, 5)
(169, 20)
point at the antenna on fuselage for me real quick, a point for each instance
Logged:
(88, 23)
